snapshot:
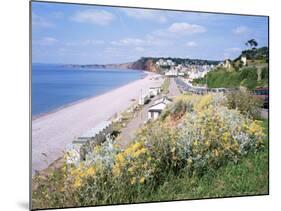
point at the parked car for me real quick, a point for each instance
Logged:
(263, 93)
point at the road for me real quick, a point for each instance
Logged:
(173, 88)
(128, 133)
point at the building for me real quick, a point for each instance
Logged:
(144, 98)
(157, 107)
(244, 60)
(172, 72)
(154, 91)
(227, 64)
(162, 62)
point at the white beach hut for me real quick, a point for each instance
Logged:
(154, 91)
(157, 107)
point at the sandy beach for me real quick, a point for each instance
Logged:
(51, 133)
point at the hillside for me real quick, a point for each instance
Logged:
(254, 74)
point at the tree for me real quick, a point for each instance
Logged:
(252, 43)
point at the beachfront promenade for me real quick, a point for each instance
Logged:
(52, 132)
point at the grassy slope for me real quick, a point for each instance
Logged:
(248, 177)
(246, 77)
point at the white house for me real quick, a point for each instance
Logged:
(172, 72)
(157, 107)
(167, 62)
(244, 60)
(227, 64)
(144, 98)
(160, 62)
(170, 62)
(153, 91)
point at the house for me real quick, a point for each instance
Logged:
(170, 62)
(172, 72)
(160, 62)
(153, 91)
(157, 107)
(244, 60)
(227, 65)
(144, 98)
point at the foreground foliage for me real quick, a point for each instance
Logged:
(195, 142)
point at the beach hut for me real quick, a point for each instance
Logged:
(92, 137)
(143, 98)
(154, 91)
(157, 107)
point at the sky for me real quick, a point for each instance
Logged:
(88, 34)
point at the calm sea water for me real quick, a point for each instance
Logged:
(54, 86)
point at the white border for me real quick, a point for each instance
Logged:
(14, 91)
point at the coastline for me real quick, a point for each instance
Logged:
(53, 131)
(83, 99)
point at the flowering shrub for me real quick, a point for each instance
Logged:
(244, 101)
(195, 133)
(216, 135)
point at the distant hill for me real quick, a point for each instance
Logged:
(147, 63)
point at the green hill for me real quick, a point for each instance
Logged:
(254, 74)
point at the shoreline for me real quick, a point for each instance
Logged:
(83, 99)
(53, 131)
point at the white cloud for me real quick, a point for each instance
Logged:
(191, 44)
(85, 43)
(38, 21)
(178, 29)
(100, 17)
(241, 30)
(46, 41)
(128, 42)
(144, 14)
(186, 28)
(147, 41)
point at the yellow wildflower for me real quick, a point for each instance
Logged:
(78, 182)
(142, 180)
(133, 180)
(120, 158)
(90, 171)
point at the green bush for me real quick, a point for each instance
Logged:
(246, 77)
(244, 101)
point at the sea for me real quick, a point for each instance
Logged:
(55, 86)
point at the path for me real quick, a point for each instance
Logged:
(173, 88)
(128, 133)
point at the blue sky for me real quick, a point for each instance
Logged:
(85, 34)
